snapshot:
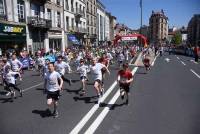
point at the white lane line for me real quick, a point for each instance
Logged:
(86, 118)
(32, 87)
(152, 64)
(105, 111)
(195, 73)
(178, 58)
(183, 63)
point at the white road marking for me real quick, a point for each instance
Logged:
(32, 87)
(105, 111)
(152, 64)
(183, 63)
(178, 58)
(195, 73)
(86, 118)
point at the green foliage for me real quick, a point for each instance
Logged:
(177, 39)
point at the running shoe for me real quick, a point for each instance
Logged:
(55, 114)
(8, 94)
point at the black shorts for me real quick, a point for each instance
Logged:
(83, 78)
(99, 81)
(53, 95)
(126, 87)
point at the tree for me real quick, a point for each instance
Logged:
(177, 39)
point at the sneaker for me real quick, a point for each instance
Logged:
(8, 94)
(122, 94)
(21, 93)
(55, 114)
(102, 91)
(82, 92)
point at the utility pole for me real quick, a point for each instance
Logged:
(141, 16)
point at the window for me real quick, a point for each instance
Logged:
(2, 12)
(76, 7)
(84, 11)
(66, 5)
(49, 14)
(73, 23)
(72, 5)
(20, 10)
(67, 23)
(58, 2)
(58, 20)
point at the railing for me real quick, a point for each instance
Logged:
(78, 29)
(36, 21)
(79, 12)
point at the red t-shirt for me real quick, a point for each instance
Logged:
(103, 61)
(125, 75)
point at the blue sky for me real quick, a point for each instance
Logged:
(179, 12)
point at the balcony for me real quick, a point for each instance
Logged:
(36, 21)
(79, 13)
(78, 29)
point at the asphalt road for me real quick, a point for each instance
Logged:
(163, 101)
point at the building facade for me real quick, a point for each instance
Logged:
(75, 22)
(158, 24)
(100, 22)
(113, 23)
(107, 27)
(194, 30)
(91, 13)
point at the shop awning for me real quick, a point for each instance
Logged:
(73, 39)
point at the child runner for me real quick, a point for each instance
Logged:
(53, 87)
(125, 78)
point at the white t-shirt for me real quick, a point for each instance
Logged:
(121, 57)
(60, 67)
(52, 81)
(40, 61)
(82, 70)
(96, 70)
(15, 64)
(4, 69)
(10, 77)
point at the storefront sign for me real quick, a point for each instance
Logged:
(8, 28)
(128, 38)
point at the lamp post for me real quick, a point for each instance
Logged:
(141, 20)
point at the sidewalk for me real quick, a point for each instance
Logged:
(140, 58)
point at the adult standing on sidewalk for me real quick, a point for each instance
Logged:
(196, 52)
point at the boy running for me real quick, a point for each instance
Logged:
(124, 79)
(53, 87)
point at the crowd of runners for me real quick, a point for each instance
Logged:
(53, 66)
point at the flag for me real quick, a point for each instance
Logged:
(140, 3)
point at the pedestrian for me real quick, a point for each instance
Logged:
(124, 79)
(83, 69)
(10, 82)
(53, 84)
(60, 67)
(196, 53)
(16, 66)
(96, 68)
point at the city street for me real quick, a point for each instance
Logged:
(164, 100)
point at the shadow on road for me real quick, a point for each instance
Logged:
(73, 91)
(112, 106)
(6, 100)
(86, 99)
(42, 113)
